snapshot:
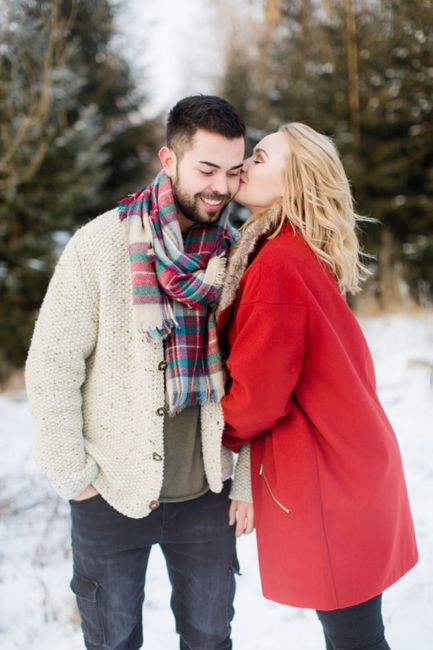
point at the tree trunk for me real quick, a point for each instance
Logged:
(393, 290)
(352, 71)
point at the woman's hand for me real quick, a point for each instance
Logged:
(241, 513)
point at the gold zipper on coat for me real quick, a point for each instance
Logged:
(263, 475)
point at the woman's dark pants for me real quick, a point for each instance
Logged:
(111, 552)
(355, 628)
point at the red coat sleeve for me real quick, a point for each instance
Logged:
(266, 357)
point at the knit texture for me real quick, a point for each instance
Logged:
(95, 390)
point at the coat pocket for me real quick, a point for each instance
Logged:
(279, 504)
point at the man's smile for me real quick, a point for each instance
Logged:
(213, 204)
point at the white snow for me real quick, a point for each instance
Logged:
(37, 610)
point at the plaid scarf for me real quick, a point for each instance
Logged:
(176, 285)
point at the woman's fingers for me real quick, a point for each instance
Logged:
(241, 513)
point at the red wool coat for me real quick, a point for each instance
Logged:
(333, 521)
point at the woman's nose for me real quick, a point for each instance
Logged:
(245, 167)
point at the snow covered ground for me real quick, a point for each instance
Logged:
(37, 610)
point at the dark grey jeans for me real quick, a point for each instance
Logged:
(110, 555)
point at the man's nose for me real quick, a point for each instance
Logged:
(220, 184)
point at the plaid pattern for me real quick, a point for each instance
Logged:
(176, 285)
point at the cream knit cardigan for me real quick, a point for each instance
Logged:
(95, 389)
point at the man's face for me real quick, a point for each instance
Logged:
(206, 177)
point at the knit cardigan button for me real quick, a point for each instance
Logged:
(156, 456)
(162, 365)
(160, 411)
(153, 505)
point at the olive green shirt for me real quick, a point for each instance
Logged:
(184, 475)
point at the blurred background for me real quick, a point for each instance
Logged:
(85, 86)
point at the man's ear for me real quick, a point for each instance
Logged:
(168, 161)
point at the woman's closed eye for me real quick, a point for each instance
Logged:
(258, 158)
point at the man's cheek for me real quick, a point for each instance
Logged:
(234, 186)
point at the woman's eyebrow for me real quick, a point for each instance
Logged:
(206, 162)
(260, 150)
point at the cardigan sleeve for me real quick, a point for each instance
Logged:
(264, 364)
(241, 486)
(63, 339)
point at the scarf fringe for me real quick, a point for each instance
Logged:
(216, 271)
(208, 397)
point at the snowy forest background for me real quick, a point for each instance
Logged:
(81, 120)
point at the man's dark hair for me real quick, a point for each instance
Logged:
(206, 112)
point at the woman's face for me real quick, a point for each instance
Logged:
(262, 174)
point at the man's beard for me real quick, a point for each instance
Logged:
(194, 209)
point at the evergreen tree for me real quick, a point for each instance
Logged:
(69, 146)
(396, 66)
(109, 85)
(361, 73)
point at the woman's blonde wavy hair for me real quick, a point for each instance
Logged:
(317, 201)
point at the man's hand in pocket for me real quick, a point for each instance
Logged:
(87, 493)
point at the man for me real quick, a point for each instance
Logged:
(124, 379)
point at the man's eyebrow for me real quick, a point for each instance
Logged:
(206, 162)
(259, 149)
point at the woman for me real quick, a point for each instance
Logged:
(333, 522)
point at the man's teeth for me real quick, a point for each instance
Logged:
(212, 201)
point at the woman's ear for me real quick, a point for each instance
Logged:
(168, 161)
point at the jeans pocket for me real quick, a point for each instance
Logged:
(86, 592)
(88, 500)
(235, 566)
